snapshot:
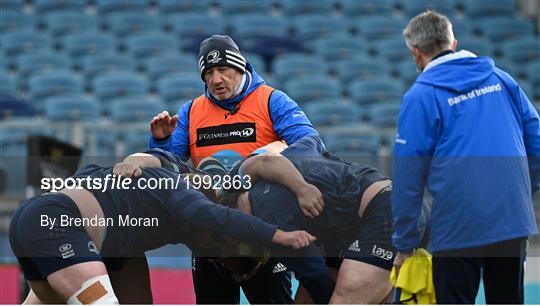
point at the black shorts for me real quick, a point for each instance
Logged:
(42, 249)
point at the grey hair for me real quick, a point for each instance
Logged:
(430, 32)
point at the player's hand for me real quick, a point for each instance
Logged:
(400, 259)
(296, 239)
(311, 200)
(127, 170)
(162, 125)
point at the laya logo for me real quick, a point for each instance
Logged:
(213, 57)
(66, 250)
(226, 134)
(382, 253)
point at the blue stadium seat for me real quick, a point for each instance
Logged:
(194, 25)
(362, 143)
(136, 141)
(462, 28)
(41, 61)
(151, 44)
(119, 84)
(130, 23)
(392, 50)
(306, 7)
(523, 50)
(94, 65)
(105, 7)
(379, 27)
(20, 42)
(332, 114)
(72, 108)
(256, 61)
(384, 115)
(171, 63)
(64, 23)
(311, 27)
(256, 25)
(11, 106)
(54, 83)
(171, 6)
(501, 29)
(487, 9)
(269, 47)
(415, 7)
(313, 88)
(367, 8)
(361, 68)
(406, 72)
(11, 21)
(533, 74)
(8, 85)
(368, 92)
(12, 5)
(297, 65)
(179, 88)
(45, 6)
(339, 48)
(135, 108)
(80, 45)
(235, 7)
(477, 45)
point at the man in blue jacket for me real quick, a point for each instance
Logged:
(468, 133)
(236, 114)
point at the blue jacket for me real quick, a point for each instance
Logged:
(289, 121)
(465, 130)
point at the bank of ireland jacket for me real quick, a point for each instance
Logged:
(469, 134)
(289, 121)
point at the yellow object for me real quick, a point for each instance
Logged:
(415, 279)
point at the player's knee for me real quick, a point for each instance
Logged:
(97, 290)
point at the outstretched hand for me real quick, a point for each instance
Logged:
(162, 125)
(295, 239)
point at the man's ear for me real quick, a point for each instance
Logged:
(454, 45)
(416, 53)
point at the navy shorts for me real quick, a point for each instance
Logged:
(42, 249)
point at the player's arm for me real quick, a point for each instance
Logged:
(154, 158)
(277, 168)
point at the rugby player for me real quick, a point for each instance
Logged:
(70, 263)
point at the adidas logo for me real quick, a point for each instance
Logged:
(355, 246)
(279, 268)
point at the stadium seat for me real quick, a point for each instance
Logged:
(54, 83)
(332, 114)
(235, 7)
(533, 74)
(477, 45)
(21, 42)
(502, 29)
(124, 24)
(462, 28)
(171, 7)
(12, 5)
(313, 88)
(41, 61)
(151, 44)
(119, 84)
(179, 88)
(135, 108)
(257, 25)
(11, 106)
(269, 47)
(45, 6)
(136, 141)
(339, 48)
(348, 141)
(306, 7)
(361, 68)
(379, 27)
(392, 50)
(368, 92)
(105, 7)
(297, 65)
(64, 23)
(415, 7)
(94, 65)
(523, 50)
(311, 27)
(171, 63)
(384, 115)
(487, 9)
(189, 25)
(72, 108)
(11, 21)
(367, 8)
(8, 85)
(406, 71)
(80, 45)
(256, 61)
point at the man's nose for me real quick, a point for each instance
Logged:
(216, 78)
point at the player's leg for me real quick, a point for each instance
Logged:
(270, 285)
(210, 286)
(131, 282)
(302, 295)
